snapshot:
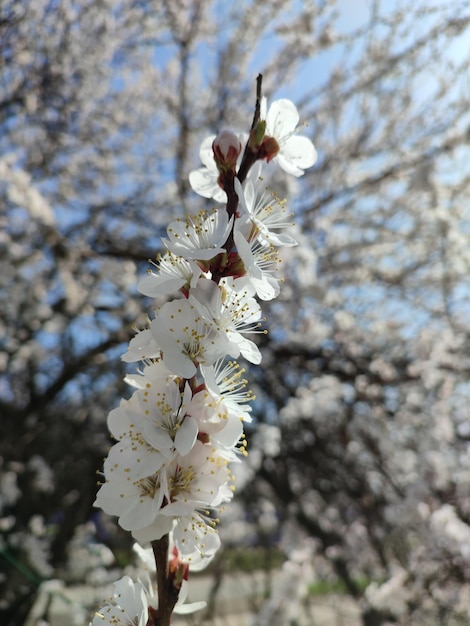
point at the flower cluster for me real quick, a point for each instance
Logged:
(176, 435)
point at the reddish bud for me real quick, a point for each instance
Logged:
(226, 147)
(269, 148)
(203, 437)
(177, 570)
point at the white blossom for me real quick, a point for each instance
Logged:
(262, 214)
(194, 535)
(165, 424)
(204, 180)
(174, 273)
(142, 346)
(186, 338)
(200, 237)
(225, 381)
(197, 480)
(260, 263)
(128, 606)
(296, 154)
(132, 454)
(136, 502)
(232, 313)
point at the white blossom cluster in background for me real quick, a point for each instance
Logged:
(176, 435)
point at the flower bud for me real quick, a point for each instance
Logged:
(257, 135)
(177, 570)
(226, 147)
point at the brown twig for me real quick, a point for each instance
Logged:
(167, 592)
(250, 157)
(248, 160)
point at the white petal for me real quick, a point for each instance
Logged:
(118, 421)
(177, 508)
(219, 195)
(158, 438)
(297, 154)
(153, 285)
(106, 499)
(231, 434)
(159, 527)
(179, 363)
(206, 153)
(288, 166)
(141, 515)
(282, 119)
(149, 462)
(191, 607)
(267, 289)
(186, 436)
(204, 183)
(282, 239)
(131, 597)
(250, 351)
(263, 107)
(142, 346)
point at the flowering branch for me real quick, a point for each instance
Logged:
(169, 471)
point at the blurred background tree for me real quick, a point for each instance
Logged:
(360, 443)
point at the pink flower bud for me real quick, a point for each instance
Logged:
(226, 147)
(177, 570)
